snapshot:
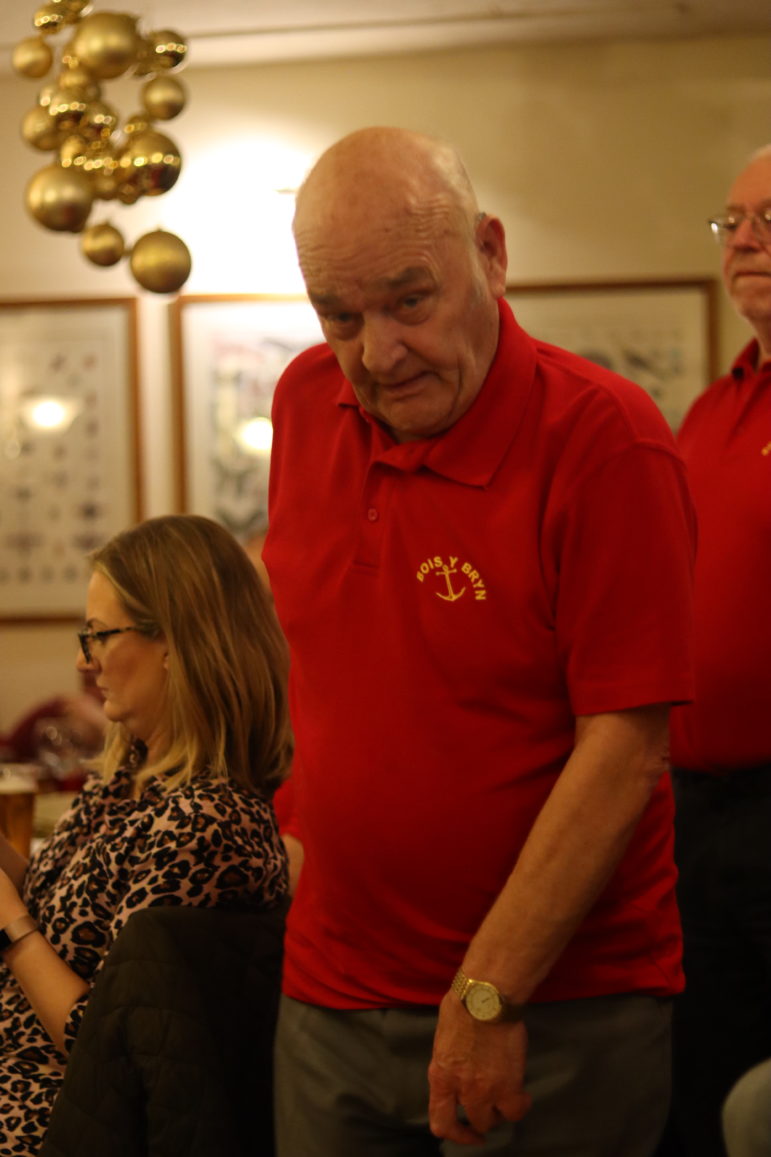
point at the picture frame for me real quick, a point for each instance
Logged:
(69, 447)
(658, 333)
(228, 352)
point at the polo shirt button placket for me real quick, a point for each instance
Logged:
(369, 545)
(372, 513)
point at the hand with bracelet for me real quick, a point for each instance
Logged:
(49, 984)
(15, 921)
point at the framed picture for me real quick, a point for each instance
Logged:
(69, 447)
(660, 334)
(228, 353)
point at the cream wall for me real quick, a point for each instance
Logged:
(603, 161)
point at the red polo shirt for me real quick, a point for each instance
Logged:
(726, 443)
(451, 605)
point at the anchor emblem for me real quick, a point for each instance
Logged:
(470, 578)
(451, 595)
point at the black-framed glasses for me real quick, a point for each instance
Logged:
(86, 639)
(725, 225)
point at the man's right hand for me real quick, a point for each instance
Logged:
(477, 1068)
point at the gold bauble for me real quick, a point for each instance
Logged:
(128, 192)
(105, 186)
(103, 244)
(75, 76)
(98, 121)
(138, 122)
(160, 262)
(145, 65)
(32, 57)
(45, 94)
(48, 19)
(39, 130)
(60, 199)
(167, 49)
(73, 151)
(73, 9)
(66, 108)
(106, 43)
(101, 165)
(129, 181)
(164, 97)
(152, 160)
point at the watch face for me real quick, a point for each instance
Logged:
(483, 1002)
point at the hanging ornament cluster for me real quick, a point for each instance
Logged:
(96, 157)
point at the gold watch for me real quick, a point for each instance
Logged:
(483, 1001)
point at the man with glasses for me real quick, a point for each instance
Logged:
(721, 743)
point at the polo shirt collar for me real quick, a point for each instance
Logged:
(472, 449)
(746, 364)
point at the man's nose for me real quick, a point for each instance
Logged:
(746, 235)
(381, 345)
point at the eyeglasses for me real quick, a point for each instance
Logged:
(724, 227)
(87, 638)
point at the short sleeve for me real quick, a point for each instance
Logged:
(624, 610)
(208, 850)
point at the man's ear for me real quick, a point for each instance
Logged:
(491, 241)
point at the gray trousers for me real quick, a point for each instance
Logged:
(354, 1084)
(747, 1114)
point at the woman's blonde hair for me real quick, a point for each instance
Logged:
(186, 579)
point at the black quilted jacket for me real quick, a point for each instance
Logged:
(173, 1056)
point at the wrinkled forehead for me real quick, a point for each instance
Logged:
(338, 237)
(752, 188)
(342, 209)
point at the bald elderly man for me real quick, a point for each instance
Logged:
(480, 549)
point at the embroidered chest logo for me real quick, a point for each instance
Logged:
(451, 578)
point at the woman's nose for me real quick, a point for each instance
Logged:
(82, 663)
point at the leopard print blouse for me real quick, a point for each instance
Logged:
(208, 844)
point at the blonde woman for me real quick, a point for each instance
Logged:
(183, 644)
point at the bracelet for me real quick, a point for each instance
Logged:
(15, 931)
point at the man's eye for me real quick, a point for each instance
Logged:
(340, 325)
(336, 318)
(414, 305)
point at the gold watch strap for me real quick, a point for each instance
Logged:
(17, 929)
(462, 983)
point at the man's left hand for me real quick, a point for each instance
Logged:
(478, 1068)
